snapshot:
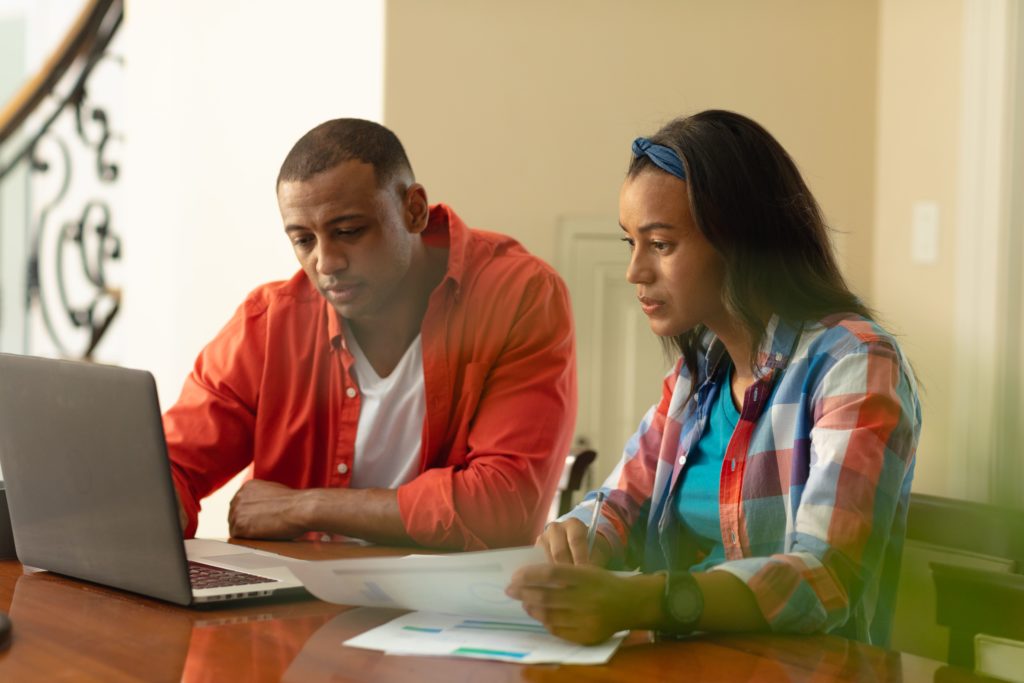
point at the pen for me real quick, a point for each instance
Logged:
(592, 530)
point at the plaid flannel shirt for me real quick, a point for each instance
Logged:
(815, 482)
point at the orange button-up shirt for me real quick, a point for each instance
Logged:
(275, 388)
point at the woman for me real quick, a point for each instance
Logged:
(768, 489)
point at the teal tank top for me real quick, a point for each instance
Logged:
(696, 503)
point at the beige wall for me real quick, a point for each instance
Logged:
(919, 112)
(518, 113)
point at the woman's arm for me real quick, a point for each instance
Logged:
(588, 605)
(859, 463)
(622, 518)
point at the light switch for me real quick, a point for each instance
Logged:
(924, 244)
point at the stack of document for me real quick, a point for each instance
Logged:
(462, 609)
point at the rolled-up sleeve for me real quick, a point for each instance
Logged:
(629, 488)
(210, 429)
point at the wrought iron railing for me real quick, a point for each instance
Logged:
(31, 138)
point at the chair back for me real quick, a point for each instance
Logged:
(953, 549)
(574, 475)
(970, 601)
(999, 657)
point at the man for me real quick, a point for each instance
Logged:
(414, 383)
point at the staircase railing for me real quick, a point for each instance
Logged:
(61, 89)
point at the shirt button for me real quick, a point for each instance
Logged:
(342, 468)
(326, 538)
(350, 392)
(682, 459)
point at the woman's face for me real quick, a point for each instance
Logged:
(677, 273)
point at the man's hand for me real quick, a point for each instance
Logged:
(566, 543)
(182, 515)
(586, 604)
(266, 509)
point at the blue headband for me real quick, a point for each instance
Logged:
(663, 157)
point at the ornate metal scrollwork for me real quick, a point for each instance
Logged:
(67, 265)
(105, 170)
(86, 246)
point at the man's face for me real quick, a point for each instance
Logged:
(353, 239)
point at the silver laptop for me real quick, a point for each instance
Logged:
(89, 488)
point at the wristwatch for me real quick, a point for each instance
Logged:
(683, 602)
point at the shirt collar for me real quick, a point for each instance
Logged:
(777, 345)
(335, 330)
(445, 230)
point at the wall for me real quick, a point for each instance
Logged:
(517, 113)
(13, 192)
(521, 113)
(215, 95)
(919, 118)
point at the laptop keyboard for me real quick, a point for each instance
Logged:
(207, 576)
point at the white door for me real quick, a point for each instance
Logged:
(621, 362)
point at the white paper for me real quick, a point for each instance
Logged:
(460, 583)
(508, 640)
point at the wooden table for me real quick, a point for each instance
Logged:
(68, 630)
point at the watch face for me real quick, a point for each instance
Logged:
(685, 602)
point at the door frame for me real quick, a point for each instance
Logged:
(987, 430)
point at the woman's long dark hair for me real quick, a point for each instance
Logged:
(750, 202)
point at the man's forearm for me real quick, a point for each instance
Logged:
(369, 514)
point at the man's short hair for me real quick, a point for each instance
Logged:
(340, 140)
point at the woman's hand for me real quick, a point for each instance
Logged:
(584, 604)
(566, 543)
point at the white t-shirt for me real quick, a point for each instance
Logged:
(391, 414)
